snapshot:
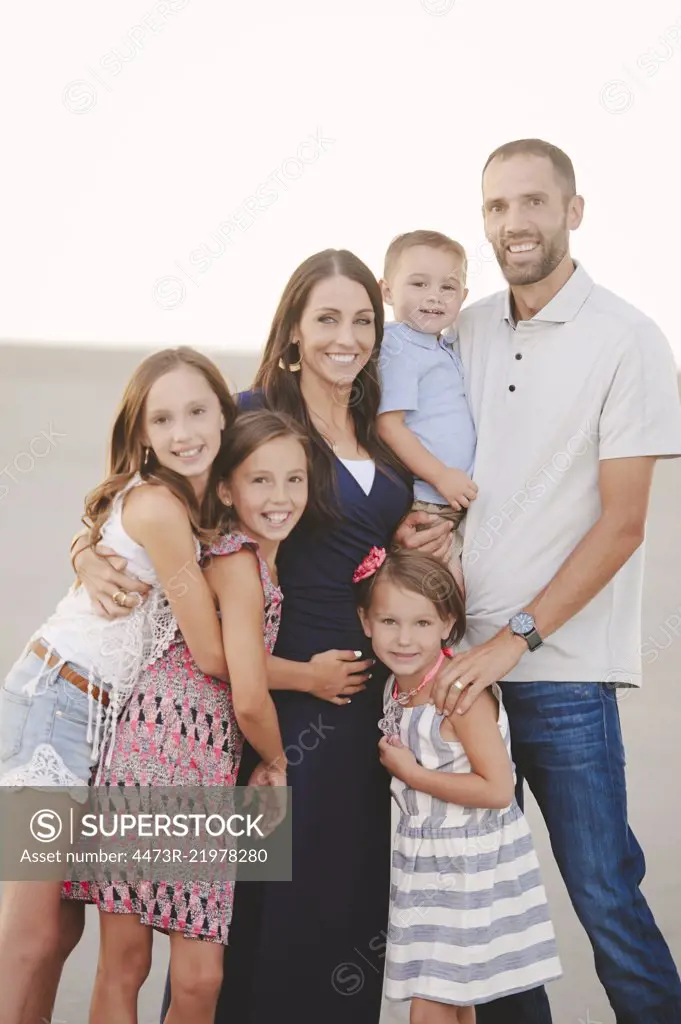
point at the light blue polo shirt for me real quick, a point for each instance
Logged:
(422, 376)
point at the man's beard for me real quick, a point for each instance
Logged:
(547, 258)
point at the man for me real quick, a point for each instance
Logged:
(574, 397)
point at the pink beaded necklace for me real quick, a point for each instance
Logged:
(392, 711)
(404, 698)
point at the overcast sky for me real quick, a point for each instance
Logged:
(167, 163)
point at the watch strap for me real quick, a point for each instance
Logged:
(533, 639)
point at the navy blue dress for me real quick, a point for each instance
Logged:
(312, 950)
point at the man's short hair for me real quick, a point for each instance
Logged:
(562, 164)
(433, 239)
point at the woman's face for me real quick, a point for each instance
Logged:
(182, 422)
(337, 331)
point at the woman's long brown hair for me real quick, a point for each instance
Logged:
(127, 453)
(281, 387)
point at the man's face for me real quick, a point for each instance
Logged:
(528, 217)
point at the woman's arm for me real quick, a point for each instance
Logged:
(421, 531)
(102, 573)
(490, 781)
(236, 581)
(158, 521)
(332, 675)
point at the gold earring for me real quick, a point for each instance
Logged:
(146, 456)
(292, 367)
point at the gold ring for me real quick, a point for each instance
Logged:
(458, 684)
(119, 598)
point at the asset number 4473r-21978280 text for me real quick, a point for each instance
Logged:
(165, 856)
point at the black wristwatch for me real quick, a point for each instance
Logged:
(522, 624)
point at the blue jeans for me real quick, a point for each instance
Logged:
(567, 745)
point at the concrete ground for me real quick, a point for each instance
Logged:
(56, 407)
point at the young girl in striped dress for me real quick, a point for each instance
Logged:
(469, 921)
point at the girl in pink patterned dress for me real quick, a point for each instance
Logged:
(185, 728)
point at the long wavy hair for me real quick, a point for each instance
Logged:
(126, 455)
(281, 388)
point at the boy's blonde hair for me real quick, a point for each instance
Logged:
(433, 239)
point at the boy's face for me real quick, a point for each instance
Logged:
(426, 289)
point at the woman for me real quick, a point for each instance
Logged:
(300, 948)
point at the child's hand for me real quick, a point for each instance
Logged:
(397, 758)
(267, 775)
(458, 488)
(269, 799)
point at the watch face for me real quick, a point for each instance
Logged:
(522, 623)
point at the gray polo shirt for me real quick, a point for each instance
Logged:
(588, 378)
(422, 376)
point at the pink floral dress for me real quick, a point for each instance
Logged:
(179, 729)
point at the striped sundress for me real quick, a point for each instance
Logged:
(469, 920)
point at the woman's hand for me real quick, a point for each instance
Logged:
(397, 758)
(337, 675)
(435, 540)
(102, 573)
(462, 678)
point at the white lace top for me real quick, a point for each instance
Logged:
(113, 652)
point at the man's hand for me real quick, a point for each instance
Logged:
(458, 488)
(436, 540)
(474, 671)
(337, 675)
(102, 573)
(397, 758)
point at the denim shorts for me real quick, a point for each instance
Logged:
(44, 734)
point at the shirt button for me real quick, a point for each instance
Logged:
(511, 387)
(519, 355)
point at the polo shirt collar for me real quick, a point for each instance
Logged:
(422, 339)
(564, 306)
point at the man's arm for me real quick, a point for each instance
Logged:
(624, 487)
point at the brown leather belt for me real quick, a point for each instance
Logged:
(67, 673)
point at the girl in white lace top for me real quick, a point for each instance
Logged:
(64, 694)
